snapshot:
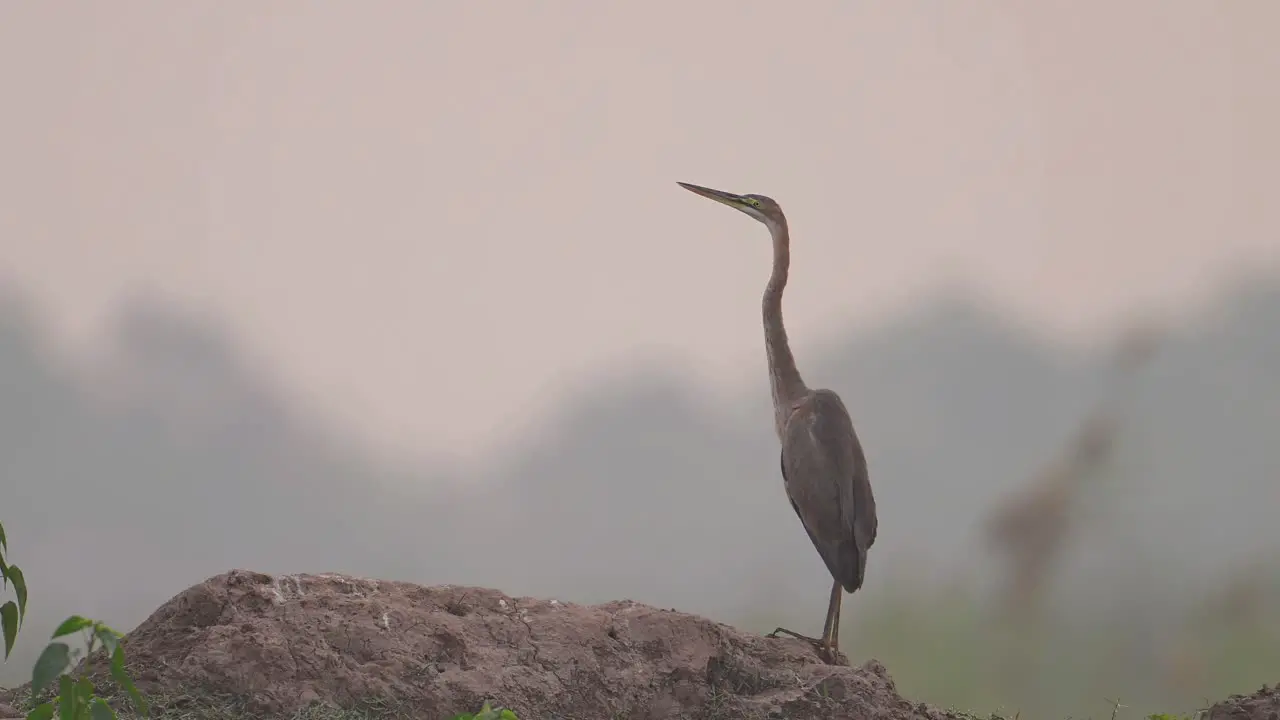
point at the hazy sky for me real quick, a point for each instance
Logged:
(435, 217)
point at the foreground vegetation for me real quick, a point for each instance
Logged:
(76, 697)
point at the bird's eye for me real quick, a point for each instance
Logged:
(754, 203)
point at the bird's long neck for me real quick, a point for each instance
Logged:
(784, 378)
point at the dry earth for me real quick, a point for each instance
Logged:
(1262, 705)
(290, 645)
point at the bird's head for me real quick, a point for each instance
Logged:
(762, 208)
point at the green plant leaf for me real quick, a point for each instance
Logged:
(53, 660)
(109, 638)
(100, 710)
(20, 589)
(84, 698)
(66, 698)
(72, 624)
(43, 711)
(123, 680)
(508, 715)
(4, 544)
(9, 626)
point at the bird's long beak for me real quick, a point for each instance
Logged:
(728, 198)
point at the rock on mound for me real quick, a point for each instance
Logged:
(1262, 705)
(282, 643)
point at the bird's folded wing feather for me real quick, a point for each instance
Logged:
(826, 477)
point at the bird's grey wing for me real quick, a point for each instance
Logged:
(825, 473)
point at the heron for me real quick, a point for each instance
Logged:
(824, 470)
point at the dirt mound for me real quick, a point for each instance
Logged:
(1262, 705)
(279, 644)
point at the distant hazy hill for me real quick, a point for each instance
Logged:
(176, 463)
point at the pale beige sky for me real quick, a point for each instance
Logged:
(436, 216)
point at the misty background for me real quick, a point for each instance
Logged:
(171, 460)
(412, 294)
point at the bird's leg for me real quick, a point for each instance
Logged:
(835, 629)
(830, 629)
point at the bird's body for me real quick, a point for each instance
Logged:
(824, 470)
(821, 456)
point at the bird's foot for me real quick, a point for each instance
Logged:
(819, 645)
(783, 631)
(831, 656)
(827, 653)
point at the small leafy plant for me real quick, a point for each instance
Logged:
(11, 613)
(76, 698)
(488, 713)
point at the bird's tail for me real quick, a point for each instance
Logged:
(855, 568)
